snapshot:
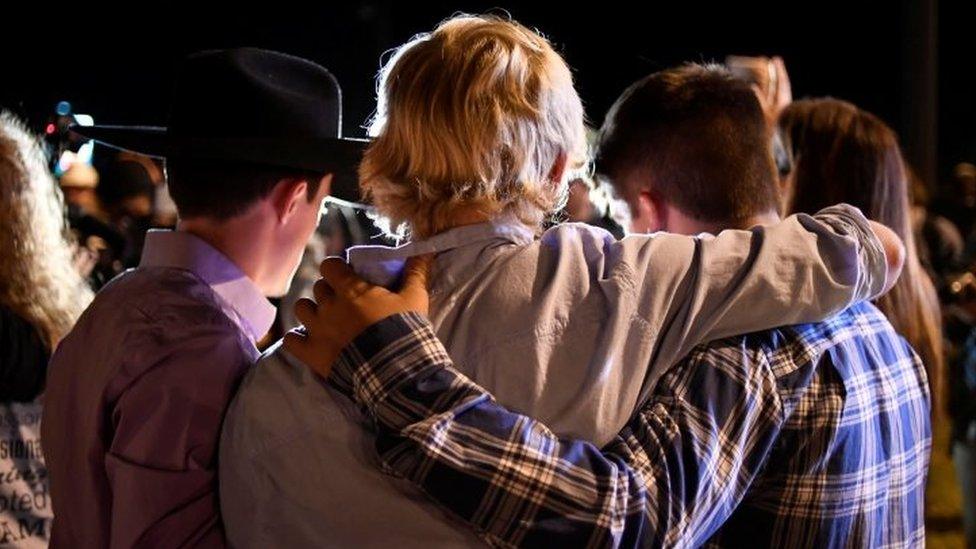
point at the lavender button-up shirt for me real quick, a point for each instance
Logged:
(136, 395)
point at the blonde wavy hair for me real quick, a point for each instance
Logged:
(473, 115)
(38, 279)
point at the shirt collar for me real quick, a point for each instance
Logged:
(382, 265)
(504, 228)
(182, 250)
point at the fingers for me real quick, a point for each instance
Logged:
(783, 78)
(761, 96)
(319, 358)
(415, 280)
(417, 271)
(305, 311)
(341, 278)
(295, 342)
(298, 345)
(784, 92)
(323, 292)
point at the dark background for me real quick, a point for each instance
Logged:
(909, 61)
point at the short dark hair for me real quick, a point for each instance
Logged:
(222, 189)
(123, 179)
(699, 137)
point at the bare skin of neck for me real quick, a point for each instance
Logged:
(464, 215)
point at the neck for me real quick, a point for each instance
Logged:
(681, 223)
(461, 216)
(243, 239)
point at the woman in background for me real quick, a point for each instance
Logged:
(841, 153)
(42, 293)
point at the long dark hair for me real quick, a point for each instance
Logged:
(841, 153)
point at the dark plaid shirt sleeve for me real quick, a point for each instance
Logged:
(671, 477)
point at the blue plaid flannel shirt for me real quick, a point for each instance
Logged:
(805, 436)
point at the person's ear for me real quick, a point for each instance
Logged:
(659, 210)
(287, 196)
(648, 213)
(325, 185)
(558, 169)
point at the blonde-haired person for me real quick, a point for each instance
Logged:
(478, 129)
(475, 120)
(41, 295)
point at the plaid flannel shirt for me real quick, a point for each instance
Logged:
(812, 435)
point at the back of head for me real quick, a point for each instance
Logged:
(221, 190)
(844, 154)
(475, 114)
(695, 137)
(38, 280)
(122, 181)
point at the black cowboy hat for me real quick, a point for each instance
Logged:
(254, 106)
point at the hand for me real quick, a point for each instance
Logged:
(84, 259)
(345, 305)
(783, 95)
(778, 94)
(769, 81)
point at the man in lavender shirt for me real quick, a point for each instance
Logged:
(136, 392)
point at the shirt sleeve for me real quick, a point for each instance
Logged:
(693, 290)
(248, 497)
(162, 461)
(672, 476)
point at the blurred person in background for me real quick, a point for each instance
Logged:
(841, 153)
(961, 328)
(42, 293)
(958, 203)
(589, 201)
(78, 184)
(164, 209)
(126, 193)
(940, 244)
(89, 222)
(955, 276)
